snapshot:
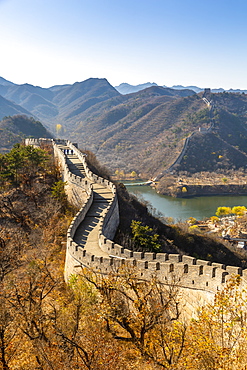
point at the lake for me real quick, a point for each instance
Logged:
(183, 208)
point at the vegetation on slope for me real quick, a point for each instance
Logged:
(143, 131)
(171, 238)
(220, 181)
(146, 133)
(45, 324)
(15, 129)
(208, 152)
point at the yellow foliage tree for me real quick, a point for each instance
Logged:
(58, 128)
(133, 174)
(239, 210)
(223, 211)
(218, 338)
(144, 314)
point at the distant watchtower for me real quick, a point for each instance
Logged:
(207, 93)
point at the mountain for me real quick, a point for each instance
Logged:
(199, 89)
(224, 144)
(194, 88)
(15, 129)
(125, 88)
(58, 101)
(5, 82)
(143, 131)
(9, 108)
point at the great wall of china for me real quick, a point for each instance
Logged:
(90, 236)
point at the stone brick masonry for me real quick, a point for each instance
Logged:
(90, 236)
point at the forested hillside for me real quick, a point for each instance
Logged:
(15, 129)
(224, 146)
(142, 132)
(47, 324)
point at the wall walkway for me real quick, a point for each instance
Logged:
(90, 235)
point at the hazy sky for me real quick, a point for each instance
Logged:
(170, 42)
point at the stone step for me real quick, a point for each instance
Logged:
(87, 232)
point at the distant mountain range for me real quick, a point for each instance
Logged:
(125, 88)
(142, 131)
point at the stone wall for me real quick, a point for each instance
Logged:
(199, 280)
(110, 218)
(77, 188)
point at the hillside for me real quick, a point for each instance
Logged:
(95, 115)
(58, 102)
(144, 131)
(15, 129)
(9, 108)
(48, 324)
(223, 146)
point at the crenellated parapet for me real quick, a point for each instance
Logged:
(37, 142)
(193, 275)
(78, 188)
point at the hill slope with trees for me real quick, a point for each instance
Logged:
(15, 129)
(45, 323)
(142, 132)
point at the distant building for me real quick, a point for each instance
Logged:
(203, 130)
(207, 92)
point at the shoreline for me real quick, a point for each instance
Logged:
(188, 191)
(189, 187)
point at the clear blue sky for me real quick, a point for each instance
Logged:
(170, 42)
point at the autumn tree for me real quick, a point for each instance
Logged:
(223, 211)
(239, 210)
(218, 337)
(143, 313)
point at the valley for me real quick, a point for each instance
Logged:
(143, 132)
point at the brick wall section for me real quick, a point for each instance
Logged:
(199, 280)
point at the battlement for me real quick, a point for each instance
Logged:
(191, 273)
(35, 141)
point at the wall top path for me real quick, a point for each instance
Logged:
(89, 237)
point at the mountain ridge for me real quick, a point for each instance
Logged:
(142, 131)
(125, 88)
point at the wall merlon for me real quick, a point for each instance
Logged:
(117, 250)
(142, 265)
(234, 270)
(138, 255)
(219, 265)
(175, 257)
(203, 262)
(162, 257)
(149, 256)
(189, 260)
(128, 253)
(195, 270)
(244, 274)
(209, 271)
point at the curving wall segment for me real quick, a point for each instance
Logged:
(198, 279)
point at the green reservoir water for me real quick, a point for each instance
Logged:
(182, 209)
